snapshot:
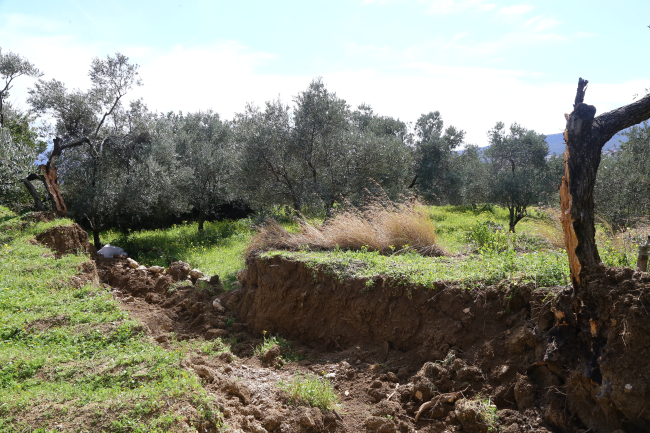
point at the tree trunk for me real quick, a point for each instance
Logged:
(49, 174)
(38, 204)
(201, 220)
(96, 240)
(585, 136)
(512, 219)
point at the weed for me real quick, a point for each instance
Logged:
(267, 344)
(382, 227)
(310, 390)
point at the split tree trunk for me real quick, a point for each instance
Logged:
(585, 136)
(38, 204)
(49, 174)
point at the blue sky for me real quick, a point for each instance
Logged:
(477, 61)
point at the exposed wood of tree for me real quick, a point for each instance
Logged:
(49, 174)
(585, 136)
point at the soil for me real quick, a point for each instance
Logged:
(548, 359)
(66, 240)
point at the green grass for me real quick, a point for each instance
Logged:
(71, 355)
(482, 252)
(310, 390)
(218, 250)
(543, 268)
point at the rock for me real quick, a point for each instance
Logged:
(195, 274)
(211, 334)
(204, 372)
(271, 419)
(141, 268)
(272, 353)
(524, 392)
(129, 300)
(216, 306)
(110, 251)
(161, 338)
(132, 263)
(156, 269)
(179, 271)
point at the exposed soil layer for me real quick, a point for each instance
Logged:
(402, 358)
(567, 363)
(66, 240)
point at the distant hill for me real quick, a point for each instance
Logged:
(556, 142)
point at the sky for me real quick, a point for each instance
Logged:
(476, 61)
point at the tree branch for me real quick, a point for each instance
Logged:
(58, 147)
(107, 114)
(608, 124)
(580, 94)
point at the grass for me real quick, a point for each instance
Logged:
(543, 268)
(216, 250)
(310, 390)
(481, 409)
(356, 244)
(382, 227)
(71, 357)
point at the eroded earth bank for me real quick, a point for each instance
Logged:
(547, 360)
(511, 358)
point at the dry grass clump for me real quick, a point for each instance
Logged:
(385, 228)
(553, 233)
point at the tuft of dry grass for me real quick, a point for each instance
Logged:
(386, 228)
(553, 233)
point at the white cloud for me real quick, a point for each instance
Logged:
(226, 75)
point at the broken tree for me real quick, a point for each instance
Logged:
(585, 135)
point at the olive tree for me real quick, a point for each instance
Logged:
(205, 147)
(84, 117)
(12, 66)
(435, 150)
(519, 173)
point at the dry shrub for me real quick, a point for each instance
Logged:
(553, 233)
(382, 227)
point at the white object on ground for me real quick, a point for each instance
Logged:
(109, 251)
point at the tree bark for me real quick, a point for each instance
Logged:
(38, 204)
(201, 220)
(585, 135)
(49, 174)
(96, 240)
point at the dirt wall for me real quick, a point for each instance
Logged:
(576, 362)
